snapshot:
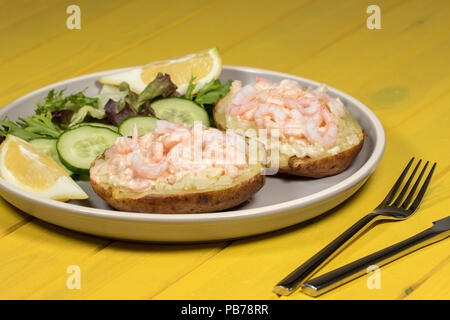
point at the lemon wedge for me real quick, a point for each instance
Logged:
(26, 167)
(204, 66)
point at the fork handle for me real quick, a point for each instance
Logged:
(337, 277)
(293, 280)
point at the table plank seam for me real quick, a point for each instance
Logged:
(20, 21)
(15, 226)
(53, 278)
(414, 286)
(150, 36)
(210, 255)
(106, 245)
(345, 35)
(42, 43)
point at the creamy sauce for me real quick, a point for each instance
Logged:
(309, 121)
(173, 156)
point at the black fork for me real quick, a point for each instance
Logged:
(392, 208)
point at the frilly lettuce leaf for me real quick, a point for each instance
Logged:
(83, 112)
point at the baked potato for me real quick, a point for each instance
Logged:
(180, 188)
(310, 159)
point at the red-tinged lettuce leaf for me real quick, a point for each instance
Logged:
(161, 87)
(62, 117)
(116, 116)
(147, 110)
(131, 98)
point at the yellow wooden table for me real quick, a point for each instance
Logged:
(401, 71)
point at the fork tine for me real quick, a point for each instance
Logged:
(422, 190)
(398, 183)
(405, 188)
(413, 190)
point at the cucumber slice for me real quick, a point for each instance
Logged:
(144, 124)
(48, 146)
(97, 124)
(79, 147)
(180, 110)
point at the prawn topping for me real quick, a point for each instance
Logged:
(304, 116)
(171, 152)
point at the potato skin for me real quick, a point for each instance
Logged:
(303, 167)
(323, 167)
(194, 202)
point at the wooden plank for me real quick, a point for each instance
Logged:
(49, 23)
(14, 13)
(362, 55)
(84, 53)
(182, 264)
(304, 34)
(252, 254)
(38, 253)
(433, 284)
(249, 268)
(131, 271)
(245, 257)
(74, 49)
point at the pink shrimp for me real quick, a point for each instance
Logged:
(320, 92)
(177, 136)
(236, 85)
(326, 115)
(275, 98)
(244, 108)
(134, 138)
(148, 171)
(242, 101)
(146, 142)
(326, 139)
(157, 151)
(231, 171)
(262, 83)
(310, 105)
(269, 111)
(290, 88)
(164, 126)
(248, 115)
(294, 129)
(122, 146)
(213, 137)
(336, 107)
(306, 105)
(245, 95)
(327, 135)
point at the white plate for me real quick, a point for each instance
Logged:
(280, 203)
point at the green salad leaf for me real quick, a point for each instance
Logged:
(85, 111)
(160, 87)
(57, 112)
(55, 101)
(208, 95)
(211, 92)
(31, 127)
